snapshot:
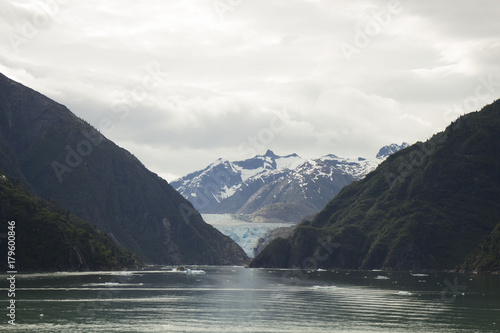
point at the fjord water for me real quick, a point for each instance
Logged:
(237, 299)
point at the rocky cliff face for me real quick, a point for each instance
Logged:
(426, 207)
(59, 156)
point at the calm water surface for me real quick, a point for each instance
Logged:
(235, 299)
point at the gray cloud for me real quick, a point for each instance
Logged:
(222, 82)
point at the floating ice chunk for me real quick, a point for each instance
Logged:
(122, 273)
(195, 272)
(325, 287)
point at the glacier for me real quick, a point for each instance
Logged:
(244, 232)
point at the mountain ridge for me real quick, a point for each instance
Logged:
(48, 238)
(249, 186)
(426, 207)
(59, 156)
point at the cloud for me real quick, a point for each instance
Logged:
(224, 80)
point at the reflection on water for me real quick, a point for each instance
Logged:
(235, 299)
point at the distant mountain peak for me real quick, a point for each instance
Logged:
(270, 153)
(385, 151)
(274, 156)
(244, 187)
(218, 161)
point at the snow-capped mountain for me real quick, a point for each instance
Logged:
(280, 188)
(385, 151)
(209, 188)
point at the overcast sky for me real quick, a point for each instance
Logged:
(182, 83)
